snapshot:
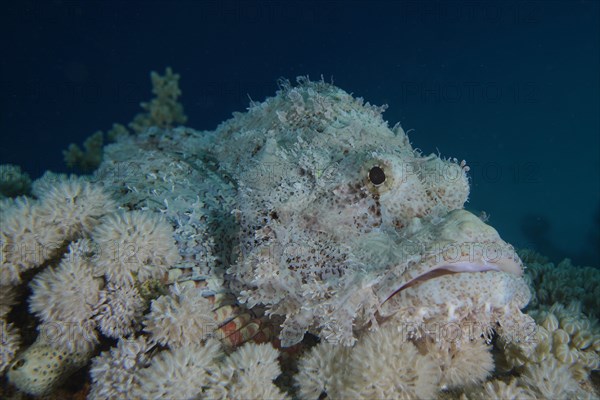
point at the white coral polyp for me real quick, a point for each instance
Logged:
(113, 372)
(63, 298)
(118, 310)
(26, 240)
(181, 373)
(182, 318)
(550, 379)
(246, 387)
(67, 292)
(134, 246)
(247, 374)
(322, 370)
(8, 297)
(464, 363)
(32, 231)
(75, 206)
(384, 365)
(257, 360)
(499, 390)
(9, 343)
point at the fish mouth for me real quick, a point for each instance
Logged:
(441, 271)
(511, 266)
(460, 243)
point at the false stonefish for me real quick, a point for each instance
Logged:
(340, 219)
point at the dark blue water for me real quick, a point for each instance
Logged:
(511, 87)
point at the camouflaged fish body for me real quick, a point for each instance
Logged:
(311, 208)
(338, 213)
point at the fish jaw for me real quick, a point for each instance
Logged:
(460, 244)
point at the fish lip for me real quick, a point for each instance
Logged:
(459, 267)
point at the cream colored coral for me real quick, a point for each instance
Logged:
(570, 337)
(10, 341)
(113, 372)
(26, 239)
(500, 390)
(322, 370)
(119, 310)
(45, 182)
(550, 379)
(13, 181)
(33, 231)
(182, 318)
(258, 361)
(64, 297)
(385, 365)
(88, 159)
(464, 362)
(248, 373)
(230, 385)
(163, 110)
(563, 355)
(548, 283)
(133, 247)
(75, 206)
(8, 298)
(181, 373)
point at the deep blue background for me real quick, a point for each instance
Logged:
(511, 87)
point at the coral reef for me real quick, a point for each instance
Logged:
(247, 374)
(550, 380)
(306, 223)
(564, 337)
(499, 390)
(127, 357)
(135, 246)
(8, 298)
(548, 287)
(42, 367)
(13, 181)
(464, 363)
(89, 159)
(185, 372)
(10, 339)
(182, 318)
(386, 366)
(9, 343)
(63, 298)
(82, 292)
(389, 364)
(163, 110)
(118, 310)
(322, 371)
(180, 373)
(34, 231)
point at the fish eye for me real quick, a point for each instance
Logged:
(18, 364)
(376, 175)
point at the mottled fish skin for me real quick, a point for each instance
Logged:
(463, 243)
(338, 212)
(310, 207)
